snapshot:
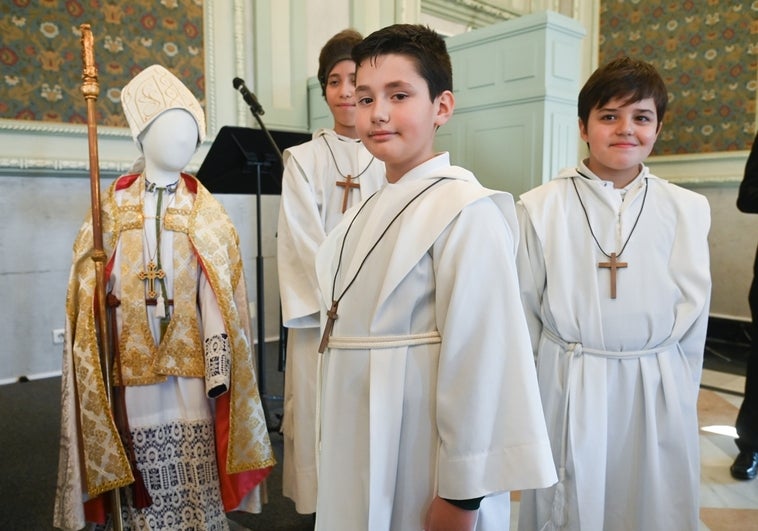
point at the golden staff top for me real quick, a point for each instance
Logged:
(90, 90)
(90, 87)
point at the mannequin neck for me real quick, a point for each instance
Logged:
(161, 177)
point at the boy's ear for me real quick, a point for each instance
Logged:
(445, 106)
(583, 130)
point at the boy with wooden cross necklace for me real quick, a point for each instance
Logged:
(322, 179)
(619, 351)
(428, 402)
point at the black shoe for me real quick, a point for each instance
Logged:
(745, 466)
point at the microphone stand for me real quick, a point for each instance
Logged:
(256, 112)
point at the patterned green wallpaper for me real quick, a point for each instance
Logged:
(706, 53)
(40, 54)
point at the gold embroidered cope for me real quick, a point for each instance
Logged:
(211, 240)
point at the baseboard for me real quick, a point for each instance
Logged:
(28, 377)
(728, 330)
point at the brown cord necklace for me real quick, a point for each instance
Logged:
(350, 182)
(613, 258)
(332, 312)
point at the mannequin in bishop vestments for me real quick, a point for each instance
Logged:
(322, 178)
(189, 425)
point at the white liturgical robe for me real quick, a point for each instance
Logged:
(311, 206)
(428, 384)
(619, 377)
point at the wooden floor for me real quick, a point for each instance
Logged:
(27, 488)
(726, 504)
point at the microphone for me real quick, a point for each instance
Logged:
(248, 96)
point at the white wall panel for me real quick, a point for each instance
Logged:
(516, 84)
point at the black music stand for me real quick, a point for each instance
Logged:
(242, 160)
(230, 167)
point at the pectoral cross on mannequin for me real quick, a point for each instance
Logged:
(332, 316)
(347, 184)
(151, 274)
(613, 265)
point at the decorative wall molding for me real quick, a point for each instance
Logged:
(472, 13)
(61, 167)
(240, 25)
(726, 168)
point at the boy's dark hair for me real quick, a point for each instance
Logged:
(336, 49)
(424, 46)
(630, 79)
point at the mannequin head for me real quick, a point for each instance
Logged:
(168, 144)
(153, 92)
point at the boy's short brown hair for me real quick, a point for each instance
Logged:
(630, 79)
(424, 46)
(336, 49)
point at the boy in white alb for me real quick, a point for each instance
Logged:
(429, 408)
(616, 285)
(322, 178)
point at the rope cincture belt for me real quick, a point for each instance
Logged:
(379, 342)
(574, 350)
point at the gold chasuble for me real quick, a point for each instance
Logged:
(92, 457)
(180, 352)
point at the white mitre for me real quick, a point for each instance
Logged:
(153, 91)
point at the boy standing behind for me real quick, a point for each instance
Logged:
(428, 399)
(321, 179)
(616, 284)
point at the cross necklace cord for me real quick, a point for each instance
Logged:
(154, 270)
(350, 182)
(613, 264)
(332, 312)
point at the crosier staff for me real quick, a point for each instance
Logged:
(91, 90)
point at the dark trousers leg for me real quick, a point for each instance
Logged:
(747, 419)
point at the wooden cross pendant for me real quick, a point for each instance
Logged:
(613, 265)
(347, 184)
(332, 316)
(150, 274)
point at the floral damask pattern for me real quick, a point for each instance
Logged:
(40, 54)
(706, 53)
